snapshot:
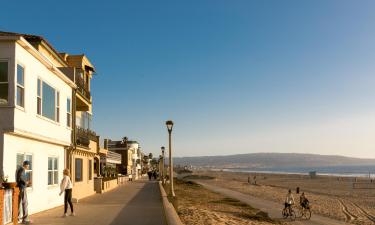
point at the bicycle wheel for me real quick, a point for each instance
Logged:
(299, 212)
(284, 213)
(292, 215)
(307, 214)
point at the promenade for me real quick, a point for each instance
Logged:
(137, 202)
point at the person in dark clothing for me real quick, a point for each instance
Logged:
(155, 175)
(149, 173)
(22, 184)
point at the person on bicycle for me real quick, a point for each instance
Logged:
(304, 202)
(289, 200)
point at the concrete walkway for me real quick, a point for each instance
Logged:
(272, 208)
(136, 203)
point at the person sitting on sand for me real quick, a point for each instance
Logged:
(304, 202)
(289, 200)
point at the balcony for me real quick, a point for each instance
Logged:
(84, 136)
(82, 89)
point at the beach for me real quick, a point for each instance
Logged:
(197, 205)
(329, 195)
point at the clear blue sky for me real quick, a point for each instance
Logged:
(235, 76)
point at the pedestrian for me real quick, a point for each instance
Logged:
(22, 184)
(149, 173)
(155, 175)
(66, 187)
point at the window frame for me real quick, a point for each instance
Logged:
(29, 171)
(53, 170)
(90, 169)
(40, 83)
(69, 112)
(76, 169)
(22, 87)
(6, 82)
(57, 106)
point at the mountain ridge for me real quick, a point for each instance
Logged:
(272, 160)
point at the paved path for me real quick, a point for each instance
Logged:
(136, 203)
(272, 208)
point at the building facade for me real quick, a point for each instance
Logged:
(35, 115)
(84, 153)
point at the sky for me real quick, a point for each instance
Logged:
(234, 76)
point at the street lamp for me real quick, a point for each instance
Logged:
(169, 124)
(163, 163)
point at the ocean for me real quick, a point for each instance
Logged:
(341, 171)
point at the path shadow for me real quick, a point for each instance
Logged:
(145, 208)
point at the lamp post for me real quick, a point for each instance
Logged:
(169, 124)
(163, 164)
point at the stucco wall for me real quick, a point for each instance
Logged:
(27, 119)
(40, 195)
(85, 187)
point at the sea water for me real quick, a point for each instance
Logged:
(341, 171)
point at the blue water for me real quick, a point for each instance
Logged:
(347, 171)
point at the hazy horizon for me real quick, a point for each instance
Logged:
(235, 77)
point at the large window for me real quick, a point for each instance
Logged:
(90, 169)
(21, 157)
(78, 170)
(53, 173)
(20, 94)
(3, 83)
(48, 101)
(68, 113)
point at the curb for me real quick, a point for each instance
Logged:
(169, 211)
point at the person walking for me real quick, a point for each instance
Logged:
(22, 184)
(66, 186)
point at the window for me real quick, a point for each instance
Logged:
(53, 173)
(57, 106)
(90, 169)
(3, 83)
(20, 94)
(48, 101)
(21, 157)
(78, 170)
(39, 97)
(68, 113)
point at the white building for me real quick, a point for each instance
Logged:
(35, 115)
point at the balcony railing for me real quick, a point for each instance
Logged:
(84, 136)
(83, 89)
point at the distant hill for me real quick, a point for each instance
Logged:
(272, 160)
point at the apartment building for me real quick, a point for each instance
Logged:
(35, 115)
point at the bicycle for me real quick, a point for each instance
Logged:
(289, 212)
(304, 212)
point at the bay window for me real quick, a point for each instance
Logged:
(4, 83)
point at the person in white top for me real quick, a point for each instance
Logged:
(66, 186)
(289, 200)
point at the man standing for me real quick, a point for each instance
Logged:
(22, 183)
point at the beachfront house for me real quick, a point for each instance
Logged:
(35, 115)
(130, 156)
(84, 154)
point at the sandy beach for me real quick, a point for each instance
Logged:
(198, 205)
(329, 196)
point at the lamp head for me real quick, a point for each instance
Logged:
(169, 124)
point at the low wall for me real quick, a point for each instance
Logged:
(11, 212)
(169, 211)
(101, 186)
